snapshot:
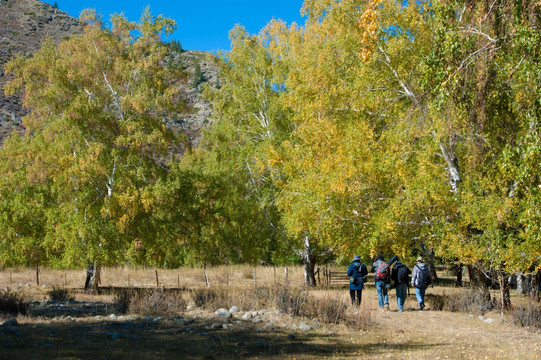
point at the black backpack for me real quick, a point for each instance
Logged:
(402, 274)
(423, 277)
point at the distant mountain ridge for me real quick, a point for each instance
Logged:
(25, 24)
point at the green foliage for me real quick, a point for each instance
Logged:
(76, 184)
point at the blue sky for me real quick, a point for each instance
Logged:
(201, 24)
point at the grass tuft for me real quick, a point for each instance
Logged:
(58, 293)
(13, 302)
(527, 316)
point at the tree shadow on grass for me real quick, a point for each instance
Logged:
(173, 339)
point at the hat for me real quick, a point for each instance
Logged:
(356, 258)
(419, 259)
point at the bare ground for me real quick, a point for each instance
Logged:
(199, 334)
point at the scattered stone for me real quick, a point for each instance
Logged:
(223, 313)
(256, 320)
(304, 326)
(216, 326)
(489, 321)
(481, 317)
(10, 322)
(190, 307)
(470, 317)
(157, 319)
(234, 309)
(247, 316)
(112, 317)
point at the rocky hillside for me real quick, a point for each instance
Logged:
(25, 24)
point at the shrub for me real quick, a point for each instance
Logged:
(58, 293)
(209, 298)
(13, 302)
(122, 300)
(156, 302)
(472, 301)
(529, 316)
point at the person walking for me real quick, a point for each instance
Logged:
(420, 279)
(382, 278)
(357, 273)
(400, 277)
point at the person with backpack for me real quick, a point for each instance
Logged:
(400, 277)
(420, 279)
(383, 279)
(357, 275)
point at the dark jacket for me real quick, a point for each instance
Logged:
(359, 271)
(394, 274)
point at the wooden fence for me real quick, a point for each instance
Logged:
(333, 278)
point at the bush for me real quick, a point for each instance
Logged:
(472, 301)
(209, 298)
(58, 293)
(529, 316)
(153, 302)
(157, 302)
(13, 302)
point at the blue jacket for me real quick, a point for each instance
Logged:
(359, 271)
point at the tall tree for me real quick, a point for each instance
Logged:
(95, 137)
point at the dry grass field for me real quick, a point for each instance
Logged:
(413, 334)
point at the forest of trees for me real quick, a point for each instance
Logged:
(377, 126)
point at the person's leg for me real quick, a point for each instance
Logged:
(385, 295)
(419, 297)
(379, 287)
(401, 296)
(352, 296)
(359, 297)
(422, 291)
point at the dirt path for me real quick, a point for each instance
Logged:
(442, 335)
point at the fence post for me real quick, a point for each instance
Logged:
(178, 281)
(157, 282)
(255, 279)
(274, 273)
(10, 278)
(206, 275)
(128, 280)
(286, 279)
(37, 273)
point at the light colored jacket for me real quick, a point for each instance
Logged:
(415, 276)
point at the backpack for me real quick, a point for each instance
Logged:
(357, 277)
(402, 274)
(382, 273)
(423, 277)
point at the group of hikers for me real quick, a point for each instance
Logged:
(385, 279)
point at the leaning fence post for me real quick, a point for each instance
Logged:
(157, 282)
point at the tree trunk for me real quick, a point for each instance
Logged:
(428, 256)
(504, 293)
(478, 280)
(309, 260)
(459, 274)
(92, 277)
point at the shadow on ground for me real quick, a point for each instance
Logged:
(167, 339)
